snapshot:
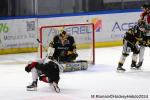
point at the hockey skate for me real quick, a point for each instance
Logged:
(133, 65)
(119, 68)
(138, 67)
(55, 87)
(32, 87)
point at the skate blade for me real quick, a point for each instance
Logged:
(55, 88)
(31, 89)
(134, 68)
(120, 71)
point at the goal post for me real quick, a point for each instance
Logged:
(83, 34)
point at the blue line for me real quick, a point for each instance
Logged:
(72, 14)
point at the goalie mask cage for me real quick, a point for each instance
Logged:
(83, 35)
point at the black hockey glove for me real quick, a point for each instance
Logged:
(28, 68)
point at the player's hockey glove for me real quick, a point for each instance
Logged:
(30, 66)
(69, 52)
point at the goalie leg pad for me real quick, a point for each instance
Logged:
(75, 66)
(84, 64)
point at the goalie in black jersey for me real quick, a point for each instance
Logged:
(65, 52)
(131, 41)
(65, 47)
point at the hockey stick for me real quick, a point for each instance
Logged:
(129, 42)
(43, 48)
(42, 45)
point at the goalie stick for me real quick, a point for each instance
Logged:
(43, 48)
(42, 45)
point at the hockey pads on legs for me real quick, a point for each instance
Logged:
(75, 66)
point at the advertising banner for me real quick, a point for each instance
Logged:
(18, 33)
(22, 33)
(108, 27)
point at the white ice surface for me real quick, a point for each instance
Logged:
(101, 79)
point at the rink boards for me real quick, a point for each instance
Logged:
(19, 34)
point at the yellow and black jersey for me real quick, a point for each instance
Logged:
(134, 35)
(63, 48)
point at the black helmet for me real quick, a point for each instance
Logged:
(148, 6)
(144, 6)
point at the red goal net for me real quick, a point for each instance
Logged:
(82, 33)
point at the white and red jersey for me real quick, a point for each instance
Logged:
(146, 17)
(142, 15)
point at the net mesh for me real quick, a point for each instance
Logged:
(83, 35)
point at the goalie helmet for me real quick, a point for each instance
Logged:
(61, 29)
(63, 33)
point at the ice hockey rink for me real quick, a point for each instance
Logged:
(99, 82)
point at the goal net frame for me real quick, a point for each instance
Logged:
(65, 25)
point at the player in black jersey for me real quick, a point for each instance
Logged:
(65, 47)
(131, 41)
(46, 70)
